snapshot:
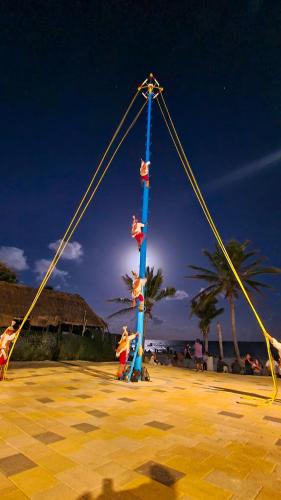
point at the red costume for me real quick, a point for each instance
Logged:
(137, 231)
(123, 350)
(144, 172)
(5, 340)
(137, 287)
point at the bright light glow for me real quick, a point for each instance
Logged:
(128, 259)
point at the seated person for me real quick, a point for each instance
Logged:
(257, 367)
(248, 363)
(236, 367)
(210, 362)
(222, 366)
(153, 359)
(205, 359)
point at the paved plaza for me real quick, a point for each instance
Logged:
(70, 431)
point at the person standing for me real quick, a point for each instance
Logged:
(198, 355)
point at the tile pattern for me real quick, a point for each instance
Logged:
(15, 464)
(273, 419)
(127, 400)
(159, 425)
(85, 427)
(230, 414)
(48, 437)
(158, 472)
(98, 413)
(176, 441)
(45, 400)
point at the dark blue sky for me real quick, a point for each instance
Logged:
(68, 71)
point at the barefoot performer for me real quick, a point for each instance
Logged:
(123, 350)
(144, 172)
(5, 340)
(275, 344)
(137, 290)
(137, 231)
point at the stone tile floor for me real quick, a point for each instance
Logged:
(183, 435)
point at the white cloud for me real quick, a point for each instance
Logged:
(13, 257)
(179, 295)
(41, 267)
(72, 251)
(248, 170)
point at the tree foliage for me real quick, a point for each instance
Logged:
(221, 279)
(7, 274)
(153, 292)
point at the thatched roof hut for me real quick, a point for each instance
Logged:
(52, 309)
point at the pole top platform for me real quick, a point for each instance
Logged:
(150, 86)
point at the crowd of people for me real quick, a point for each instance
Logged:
(193, 357)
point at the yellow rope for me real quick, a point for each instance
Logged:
(69, 232)
(204, 207)
(82, 201)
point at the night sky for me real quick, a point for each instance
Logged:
(68, 72)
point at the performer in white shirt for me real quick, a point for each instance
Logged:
(5, 340)
(275, 344)
(123, 350)
(137, 231)
(144, 172)
(137, 290)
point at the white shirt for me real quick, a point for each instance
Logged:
(275, 364)
(4, 340)
(277, 346)
(210, 364)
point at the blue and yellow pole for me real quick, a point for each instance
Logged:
(144, 219)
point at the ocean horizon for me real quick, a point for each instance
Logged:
(255, 349)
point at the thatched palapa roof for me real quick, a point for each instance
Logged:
(52, 307)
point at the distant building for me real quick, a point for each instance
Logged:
(55, 311)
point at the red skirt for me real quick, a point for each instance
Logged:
(123, 358)
(3, 361)
(139, 237)
(145, 177)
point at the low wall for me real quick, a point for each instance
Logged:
(38, 346)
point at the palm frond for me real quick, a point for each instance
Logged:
(120, 300)
(167, 292)
(122, 312)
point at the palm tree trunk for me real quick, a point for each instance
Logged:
(233, 327)
(220, 339)
(206, 339)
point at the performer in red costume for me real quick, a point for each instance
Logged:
(123, 350)
(137, 231)
(137, 286)
(5, 340)
(144, 172)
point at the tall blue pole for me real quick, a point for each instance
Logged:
(144, 219)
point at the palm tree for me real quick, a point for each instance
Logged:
(222, 280)
(204, 307)
(7, 274)
(153, 294)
